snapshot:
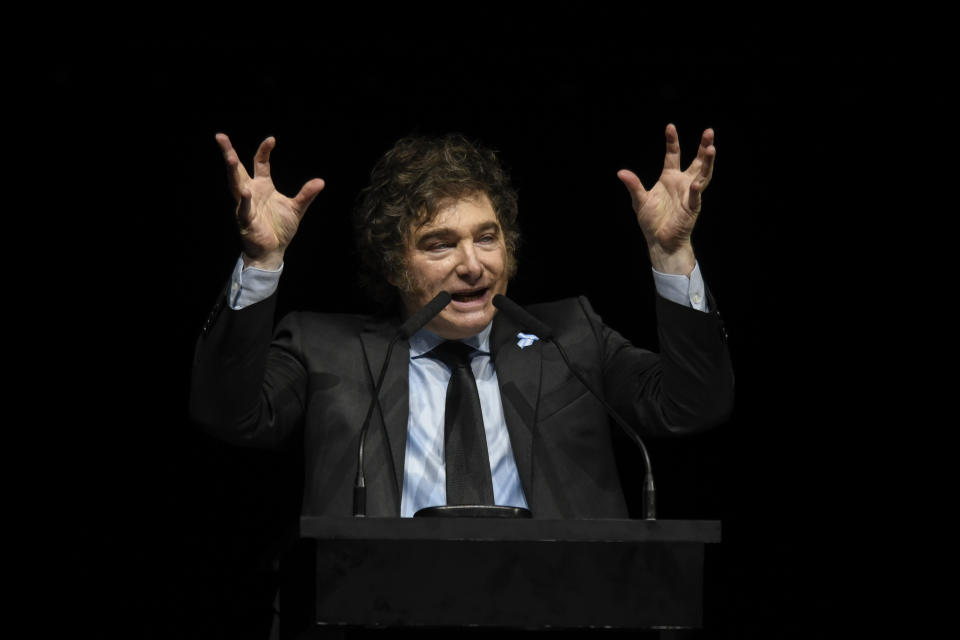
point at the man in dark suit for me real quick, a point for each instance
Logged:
(439, 215)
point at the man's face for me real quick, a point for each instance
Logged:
(462, 251)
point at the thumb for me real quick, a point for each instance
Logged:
(638, 195)
(306, 195)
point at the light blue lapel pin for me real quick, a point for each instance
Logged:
(526, 339)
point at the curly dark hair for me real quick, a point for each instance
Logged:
(412, 183)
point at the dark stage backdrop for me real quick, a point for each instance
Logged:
(173, 527)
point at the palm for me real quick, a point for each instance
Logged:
(272, 220)
(667, 213)
(268, 220)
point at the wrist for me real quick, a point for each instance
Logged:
(678, 262)
(267, 262)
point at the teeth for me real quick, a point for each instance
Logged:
(468, 295)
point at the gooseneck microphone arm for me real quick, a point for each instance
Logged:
(524, 318)
(413, 324)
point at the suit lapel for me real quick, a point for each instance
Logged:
(518, 374)
(394, 394)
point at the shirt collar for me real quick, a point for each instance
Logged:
(423, 341)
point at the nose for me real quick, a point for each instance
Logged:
(469, 267)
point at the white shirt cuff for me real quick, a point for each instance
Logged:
(686, 290)
(249, 285)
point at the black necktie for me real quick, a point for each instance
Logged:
(465, 442)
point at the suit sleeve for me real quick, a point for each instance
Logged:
(686, 388)
(248, 383)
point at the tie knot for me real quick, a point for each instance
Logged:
(452, 353)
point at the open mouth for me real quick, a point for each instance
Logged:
(469, 296)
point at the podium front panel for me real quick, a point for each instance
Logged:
(529, 575)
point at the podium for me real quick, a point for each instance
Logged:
(511, 574)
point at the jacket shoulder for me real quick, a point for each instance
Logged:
(332, 330)
(565, 314)
(329, 323)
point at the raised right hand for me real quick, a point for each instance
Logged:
(267, 219)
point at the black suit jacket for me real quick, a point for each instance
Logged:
(314, 376)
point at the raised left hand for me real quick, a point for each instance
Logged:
(667, 212)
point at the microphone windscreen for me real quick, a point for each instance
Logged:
(416, 322)
(522, 317)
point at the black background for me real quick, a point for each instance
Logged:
(170, 527)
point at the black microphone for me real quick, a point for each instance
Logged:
(522, 317)
(413, 324)
(417, 321)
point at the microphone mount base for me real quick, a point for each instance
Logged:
(473, 511)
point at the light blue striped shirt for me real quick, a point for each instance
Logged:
(424, 472)
(424, 476)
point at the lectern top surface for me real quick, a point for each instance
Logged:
(330, 528)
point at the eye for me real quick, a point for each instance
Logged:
(487, 238)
